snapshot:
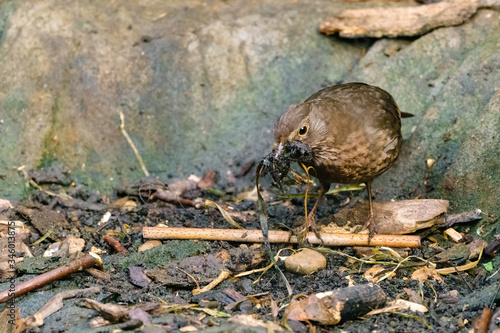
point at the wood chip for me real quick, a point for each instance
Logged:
(454, 235)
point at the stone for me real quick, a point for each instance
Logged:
(304, 262)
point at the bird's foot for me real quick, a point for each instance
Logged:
(310, 225)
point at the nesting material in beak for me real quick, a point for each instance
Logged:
(278, 162)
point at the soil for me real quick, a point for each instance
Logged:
(446, 313)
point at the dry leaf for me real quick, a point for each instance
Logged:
(224, 213)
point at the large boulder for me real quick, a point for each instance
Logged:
(450, 80)
(201, 83)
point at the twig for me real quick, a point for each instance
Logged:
(131, 143)
(255, 236)
(114, 243)
(98, 274)
(79, 264)
(223, 274)
(464, 217)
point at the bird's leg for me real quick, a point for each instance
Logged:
(311, 217)
(370, 222)
(310, 223)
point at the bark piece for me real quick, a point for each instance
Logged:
(402, 21)
(15, 251)
(9, 320)
(208, 180)
(464, 217)
(492, 248)
(5, 204)
(394, 218)
(113, 312)
(457, 254)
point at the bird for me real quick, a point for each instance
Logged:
(352, 133)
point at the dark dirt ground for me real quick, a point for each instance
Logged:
(447, 313)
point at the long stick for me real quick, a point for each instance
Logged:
(255, 236)
(79, 264)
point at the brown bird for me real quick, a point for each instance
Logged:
(353, 132)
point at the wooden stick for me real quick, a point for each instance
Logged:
(255, 236)
(79, 264)
(114, 243)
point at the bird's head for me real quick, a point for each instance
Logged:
(299, 131)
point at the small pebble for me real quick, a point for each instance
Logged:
(304, 262)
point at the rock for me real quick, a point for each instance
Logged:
(304, 262)
(203, 98)
(456, 102)
(206, 98)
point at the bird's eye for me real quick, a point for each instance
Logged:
(302, 131)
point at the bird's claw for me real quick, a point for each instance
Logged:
(309, 225)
